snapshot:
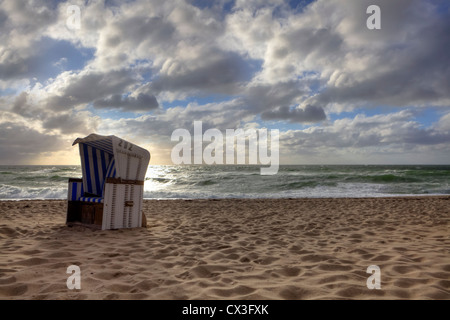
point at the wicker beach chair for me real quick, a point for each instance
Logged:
(109, 195)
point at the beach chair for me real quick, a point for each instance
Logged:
(109, 195)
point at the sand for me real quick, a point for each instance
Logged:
(232, 249)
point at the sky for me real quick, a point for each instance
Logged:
(337, 91)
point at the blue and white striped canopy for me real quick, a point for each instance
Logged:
(109, 156)
(103, 143)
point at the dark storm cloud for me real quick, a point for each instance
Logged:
(21, 105)
(3, 18)
(141, 30)
(222, 72)
(265, 97)
(309, 114)
(143, 102)
(88, 87)
(278, 101)
(318, 43)
(16, 64)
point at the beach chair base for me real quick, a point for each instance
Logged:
(121, 207)
(90, 226)
(85, 213)
(123, 204)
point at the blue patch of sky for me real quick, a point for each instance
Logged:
(429, 116)
(7, 92)
(253, 66)
(113, 113)
(426, 116)
(283, 125)
(367, 112)
(299, 5)
(56, 56)
(314, 83)
(200, 100)
(144, 68)
(294, 6)
(53, 4)
(116, 3)
(442, 6)
(226, 6)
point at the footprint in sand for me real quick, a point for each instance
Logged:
(13, 290)
(32, 262)
(293, 293)
(235, 293)
(204, 271)
(288, 271)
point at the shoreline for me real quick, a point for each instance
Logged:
(384, 196)
(220, 249)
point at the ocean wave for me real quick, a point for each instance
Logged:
(41, 178)
(14, 193)
(392, 178)
(383, 178)
(160, 180)
(206, 182)
(173, 182)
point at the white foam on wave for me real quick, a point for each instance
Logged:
(17, 193)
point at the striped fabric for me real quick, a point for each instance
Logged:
(92, 199)
(105, 144)
(111, 172)
(75, 191)
(94, 163)
(99, 142)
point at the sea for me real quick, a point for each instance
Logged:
(237, 181)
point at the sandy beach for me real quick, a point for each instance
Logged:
(232, 249)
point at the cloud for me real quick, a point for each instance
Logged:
(21, 105)
(143, 102)
(21, 145)
(310, 114)
(388, 132)
(223, 115)
(22, 24)
(399, 65)
(268, 61)
(73, 89)
(64, 122)
(81, 122)
(443, 124)
(394, 138)
(265, 97)
(216, 72)
(12, 64)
